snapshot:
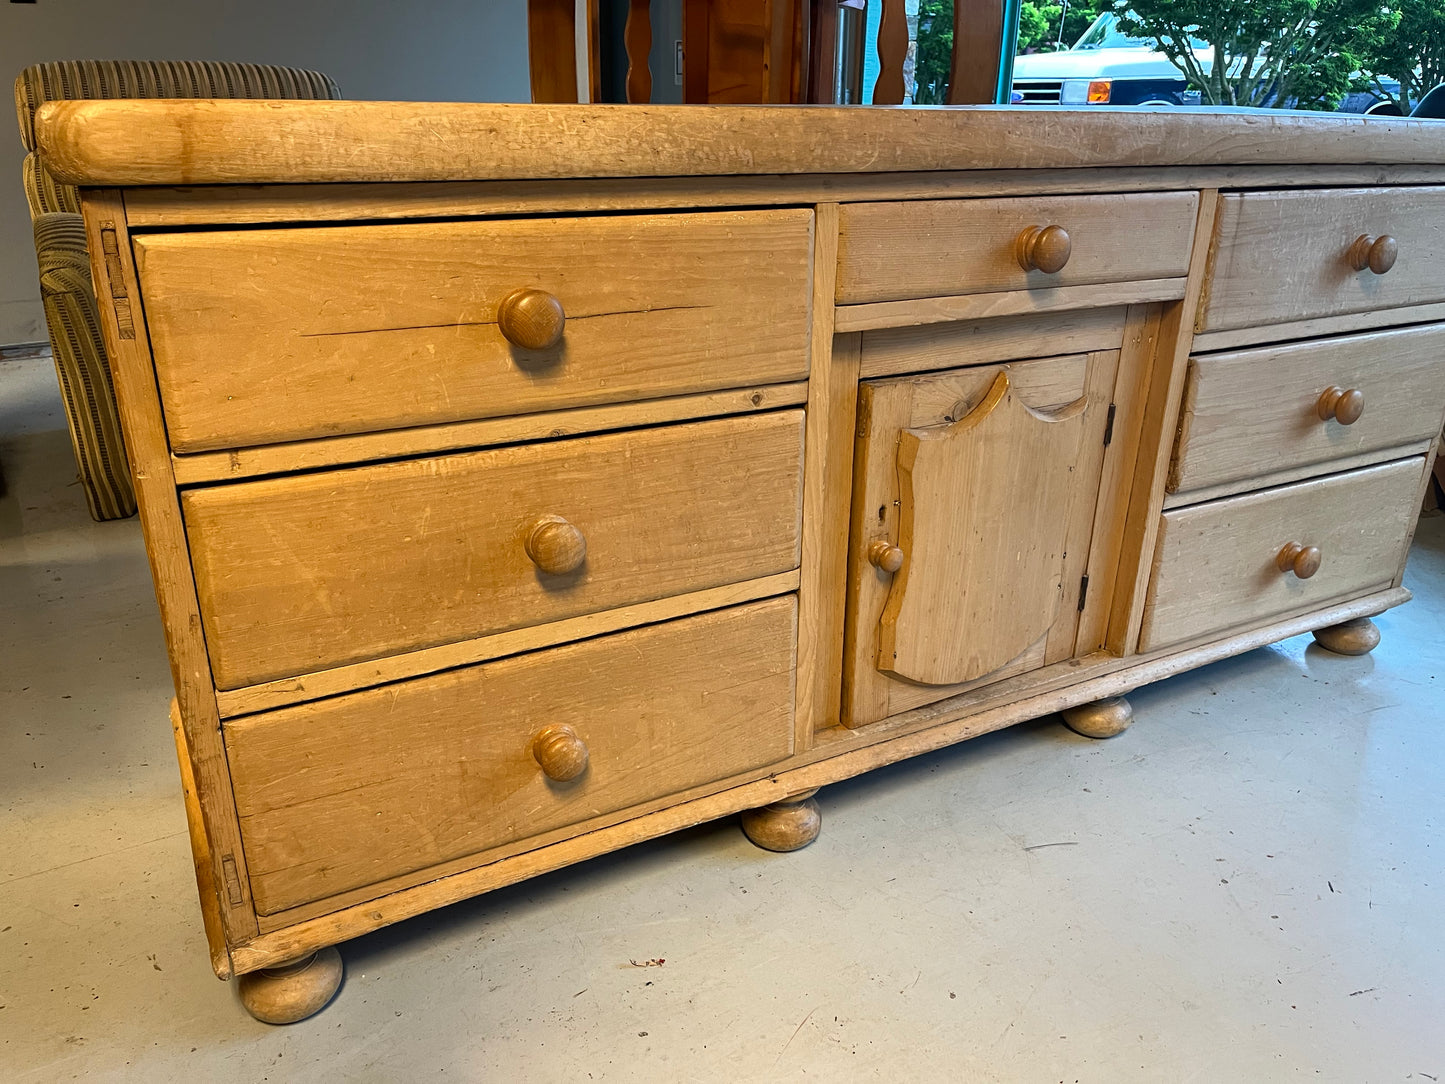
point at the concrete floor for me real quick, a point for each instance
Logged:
(1247, 886)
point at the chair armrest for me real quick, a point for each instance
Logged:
(73, 318)
(61, 253)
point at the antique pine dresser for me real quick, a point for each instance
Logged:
(521, 482)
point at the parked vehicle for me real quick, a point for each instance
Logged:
(1108, 67)
(1104, 67)
(1370, 103)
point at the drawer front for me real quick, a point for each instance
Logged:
(351, 791)
(1252, 412)
(940, 248)
(280, 334)
(1217, 565)
(304, 573)
(1281, 256)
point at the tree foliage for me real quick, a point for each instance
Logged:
(1034, 26)
(1039, 29)
(1288, 53)
(1413, 54)
(934, 60)
(1299, 54)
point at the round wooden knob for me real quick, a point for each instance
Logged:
(1044, 248)
(556, 546)
(1376, 254)
(531, 319)
(1343, 406)
(1303, 561)
(560, 752)
(885, 555)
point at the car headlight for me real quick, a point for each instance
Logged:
(1086, 91)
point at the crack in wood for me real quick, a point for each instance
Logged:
(492, 323)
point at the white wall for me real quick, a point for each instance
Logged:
(435, 50)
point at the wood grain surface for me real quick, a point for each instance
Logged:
(348, 329)
(259, 142)
(1284, 256)
(845, 753)
(984, 516)
(212, 205)
(303, 573)
(895, 351)
(1254, 412)
(166, 550)
(355, 789)
(889, 407)
(938, 248)
(1217, 564)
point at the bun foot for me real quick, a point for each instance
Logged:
(1357, 637)
(784, 826)
(1100, 719)
(294, 991)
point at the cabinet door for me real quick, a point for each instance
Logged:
(986, 480)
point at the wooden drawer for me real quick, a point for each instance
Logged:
(1216, 568)
(894, 251)
(279, 334)
(303, 573)
(353, 790)
(1281, 256)
(1253, 412)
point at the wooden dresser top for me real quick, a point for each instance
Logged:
(125, 143)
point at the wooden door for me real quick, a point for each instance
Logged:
(745, 51)
(974, 501)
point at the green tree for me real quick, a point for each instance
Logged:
(1283, 53)
(1413, 54)
(1039, 28)
(934, 59)
(1036, 23)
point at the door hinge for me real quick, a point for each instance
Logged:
(1083, 591)
(1109, 426)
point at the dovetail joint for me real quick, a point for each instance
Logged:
(115, 276)
(124, 322)
(233, 880)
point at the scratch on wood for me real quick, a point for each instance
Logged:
(794, 1035)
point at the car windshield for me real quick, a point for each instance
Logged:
(1104, 33)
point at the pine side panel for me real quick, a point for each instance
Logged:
(128, 346)
(1161, 415)
(1140, 343)
(827, 487)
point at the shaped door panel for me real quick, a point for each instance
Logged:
(986, 480)
(982, 538)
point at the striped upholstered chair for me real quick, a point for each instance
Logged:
(65, 287)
